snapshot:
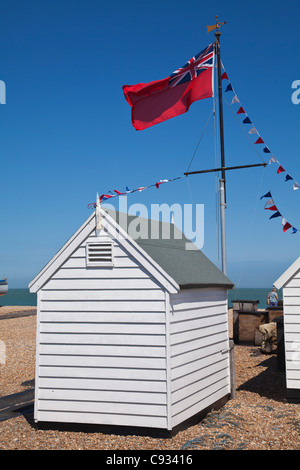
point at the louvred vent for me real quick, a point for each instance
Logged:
(99, 254)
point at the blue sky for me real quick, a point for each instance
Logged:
(66, 132)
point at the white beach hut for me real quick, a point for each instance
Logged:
(129, 332)
(289, 281)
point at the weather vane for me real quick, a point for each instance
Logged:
(216, 26)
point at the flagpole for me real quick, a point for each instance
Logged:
(223, 179)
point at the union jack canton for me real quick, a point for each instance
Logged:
(193, 67)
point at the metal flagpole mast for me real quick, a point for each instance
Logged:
(223, 179)
(223, 168)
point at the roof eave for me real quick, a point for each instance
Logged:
(288, 274)
(202, 285)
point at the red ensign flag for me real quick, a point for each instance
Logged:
(155, 102)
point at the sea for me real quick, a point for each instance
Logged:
(260, 294)
(25, 298)
(18, 297)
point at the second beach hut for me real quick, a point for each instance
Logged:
(289, 281)
(129, 333)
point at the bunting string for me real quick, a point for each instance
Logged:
(116, 193)
(253, 131)
(271, 206)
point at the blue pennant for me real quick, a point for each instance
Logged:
(247, 121)
(266, 150)
(229, 88)
(277, 214)
(267, 195)
(288, 177)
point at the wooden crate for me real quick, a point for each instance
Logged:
(241, 305)
(248, 322)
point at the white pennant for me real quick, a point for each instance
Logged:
(270, 202)
(253, 131)
(235, 100)
(273, 159)
(296, 186)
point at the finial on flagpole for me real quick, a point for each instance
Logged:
(216, 26)
(98, 216)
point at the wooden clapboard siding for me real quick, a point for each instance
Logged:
(199, 343)
(102, 317)
(103, 339)
(200, 372)
(103, 418)
(120, 283)
(295, 282)
(102, 306)
(215, 393)
(101, 274)
(114, 396)
(102, 344)
(104, 349)
(104, 385)
(291, 301)
(103, 295)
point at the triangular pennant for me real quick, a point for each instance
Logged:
(272, 208)
(235, 100)
(241, 111)
(286, 226)
(296, 186)
(161, 182)
(294, 230)
(277, 214)
(280, 169)
(229, 88)
(104, 196)
(266, 150)
(288, 177)
(273, 159)
(253, 131)
(270, 202)
(247, 120)
(259, 141)
(224, 76)
(268, 194)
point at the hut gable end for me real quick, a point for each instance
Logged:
(102, 352)
(293, 272)
(113, 235)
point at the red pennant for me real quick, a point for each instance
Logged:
(241, 110)
(224, 76)
(272, 208)
(280, 169)
(118, 192)
(259, 141)
(286, 227)
(105, 196)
